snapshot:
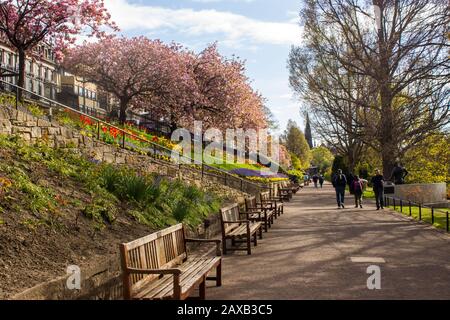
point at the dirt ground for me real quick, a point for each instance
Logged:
(32, 251)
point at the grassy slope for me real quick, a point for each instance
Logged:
(58, 208)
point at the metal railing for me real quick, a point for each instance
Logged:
(154, 148)
(401, 203)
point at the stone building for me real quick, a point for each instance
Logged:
(41, 72)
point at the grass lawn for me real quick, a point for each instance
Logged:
(440, 219)
(368, 193)
(229, 166)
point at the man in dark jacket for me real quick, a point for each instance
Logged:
(378, 189)
(398, 174)
(339, 184)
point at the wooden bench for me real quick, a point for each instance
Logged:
(157, 267)
(275, 203)
(294, 186)
(236, 226)
(280, 191)
(260, 212)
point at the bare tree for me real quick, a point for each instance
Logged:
(386, 60)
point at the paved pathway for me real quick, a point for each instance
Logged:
(307, 255)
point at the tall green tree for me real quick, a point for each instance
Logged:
(308, 132)
(322, 158)
(429, 161)
(294, 140)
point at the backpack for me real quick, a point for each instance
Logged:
(357, 185)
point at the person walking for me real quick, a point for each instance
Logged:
(321, 180)
(358, 191)
(378, 188)
(315, 180)
(339, 184)
(399, 174)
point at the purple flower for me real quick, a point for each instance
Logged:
(257, 173)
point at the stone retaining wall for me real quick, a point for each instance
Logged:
(423, 193)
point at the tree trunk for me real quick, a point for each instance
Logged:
(123, 110)
(387, 136)
(21, 79)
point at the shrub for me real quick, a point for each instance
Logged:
(101, 210)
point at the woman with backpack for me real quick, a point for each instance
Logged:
(358, 188)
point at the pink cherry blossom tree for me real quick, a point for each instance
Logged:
(171, 82)
(139, 72)
(27, 23)
(219, 93)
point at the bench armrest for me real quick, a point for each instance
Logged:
(259, 206)
(247, 213)
(154, 271)
(174, 272)
(216, 241)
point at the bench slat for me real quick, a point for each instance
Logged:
(192, 276)
(192, 271)
(139, 242)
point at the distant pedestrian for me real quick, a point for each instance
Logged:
(321, 180)
(378, 188)
(306, 179)
(358, 188)
(315, 180)
(339, 184)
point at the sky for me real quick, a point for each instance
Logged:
(261, 32)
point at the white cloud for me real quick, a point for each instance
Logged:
(211, 1)
(234, 29)
(287, 96)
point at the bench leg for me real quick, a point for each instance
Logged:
(202, 289)
(219, 275)
(249, 244)
(266, 223)
(224, 246)
(260, 233)
(255, 239)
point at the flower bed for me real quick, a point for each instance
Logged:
(263, 176)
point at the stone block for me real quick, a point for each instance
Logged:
(120, 158)
(108, 157)
(36, 132)
(25, 136)
(54, 131)
(43, 123)
(5, 126)
(20, 130)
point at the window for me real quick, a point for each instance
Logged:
(9, 59)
